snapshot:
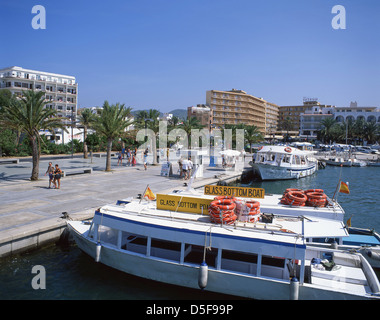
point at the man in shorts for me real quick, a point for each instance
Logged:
(50, 172)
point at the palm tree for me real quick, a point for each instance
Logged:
(86, 119)
(359, 129)
(253, 135)
(30, 116)
(111, 123)
(287, 125)
(371, 131)
(188, 125)
(327, 125)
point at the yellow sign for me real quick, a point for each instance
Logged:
(235, 191)
(182, 204)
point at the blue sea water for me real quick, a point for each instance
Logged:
(70, 274)
(363, 202)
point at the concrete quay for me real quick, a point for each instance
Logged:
(31, 213)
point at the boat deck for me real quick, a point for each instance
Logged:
(303, 226)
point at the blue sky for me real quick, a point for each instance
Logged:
(166, 54)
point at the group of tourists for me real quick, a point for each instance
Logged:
(55, 174)
(130, 155)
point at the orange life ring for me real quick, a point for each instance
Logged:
(252, 204)
(222, 210)
(288, 149)
(314, 191)
(225, 198)
(295, 198)
(296, 195)
(316, 195)
(226, 204)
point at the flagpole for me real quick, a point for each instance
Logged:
(340, 175)
(144, 193)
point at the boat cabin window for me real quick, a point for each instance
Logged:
(286, 158)
(133, 242)
(165, 249)
(194, 254)
(239, 261)
(273, 267)
(107, 235)
(296, 159)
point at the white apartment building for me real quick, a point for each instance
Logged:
(61, 90)
(310, 120)
(355, 112)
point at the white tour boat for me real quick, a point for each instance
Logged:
(283, 162)
(178, 240)
(364, 241)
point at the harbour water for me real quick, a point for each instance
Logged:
(70, 274)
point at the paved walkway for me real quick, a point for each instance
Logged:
(30, 208)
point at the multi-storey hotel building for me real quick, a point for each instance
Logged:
(202, 113)
(236, 107)
(61, 91)
(293, 113)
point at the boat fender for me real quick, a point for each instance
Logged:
(97, 252)
(203, 275)
(373, 255)
(294, 288)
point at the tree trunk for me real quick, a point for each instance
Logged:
(36, 158)
(109, 148)
(85, 152)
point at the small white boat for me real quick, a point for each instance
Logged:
(261, 260)
(346, 163)
(338, 161)
(358, 163)
(282, 162)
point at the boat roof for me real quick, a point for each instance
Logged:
(281, 149)
(271, 204)
(282, 228)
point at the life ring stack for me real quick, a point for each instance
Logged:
(299, 197)
(222, 210)
(294, 197)
(254, 213)
(316, 198)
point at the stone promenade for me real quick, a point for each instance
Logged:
(31, 213)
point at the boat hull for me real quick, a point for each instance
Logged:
(339, 163)
(274, 172)
(186, 274)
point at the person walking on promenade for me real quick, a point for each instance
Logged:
(57, 176)
(185, 167)
(50, 172)
(145, 158)
(120, 159)
(128, 153)
(134, 154)
(189, 167)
